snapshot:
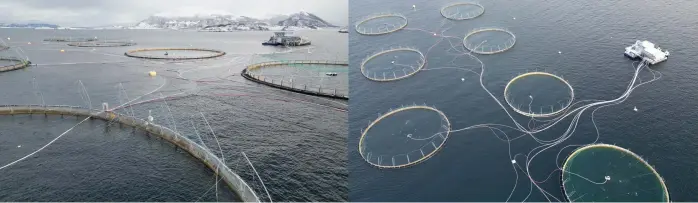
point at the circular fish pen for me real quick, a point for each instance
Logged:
(14, 64)
(174, 53)
(256, 73)
(608, 173)
(234, 181)
(461, 11)
(101, 44)
(382, 23)
(398, 67)
(423, 132)
(476, 43)
(70, 39)
(530, 112)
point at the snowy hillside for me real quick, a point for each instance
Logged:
(227, 22)
(304, 19)
(28, 25)
(193, 22)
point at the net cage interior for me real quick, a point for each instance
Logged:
(393, 64)
(462, 11)
(538, 94)
(489, 40)
(421, 133)
(382, 23)
(323, 76)
(607, 173)
(175, 53)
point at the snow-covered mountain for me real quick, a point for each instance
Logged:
(304, 19)
(226, 22)
(192, 22)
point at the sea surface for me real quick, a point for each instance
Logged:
(582, 41)
(98, 161)
(295, 142)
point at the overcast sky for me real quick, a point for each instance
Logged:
(110, 12)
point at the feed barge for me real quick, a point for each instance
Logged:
(646, 51)
(286, 39)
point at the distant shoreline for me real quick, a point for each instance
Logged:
(183, 30)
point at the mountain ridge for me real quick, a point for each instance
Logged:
(215, 22)
(227, 22)
(29, 25)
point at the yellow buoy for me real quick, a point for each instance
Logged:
(62, 50)
(152, 73)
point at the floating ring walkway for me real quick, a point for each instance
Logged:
(239, 186)
(69, 39)
(445, 128)
(216, 53)
(613, 176)
(389, 28)
(489, 49)
(246, 73)
(101, 44)
(18, 65)
(468, 16)
(532, 114)
(385, 78)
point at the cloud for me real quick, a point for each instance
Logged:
(108, 12)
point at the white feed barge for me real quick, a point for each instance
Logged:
(647, 51)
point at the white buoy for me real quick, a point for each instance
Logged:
(530, 96)
(514, 18)
(462, 79)
(19, 146)
(150, 118)
(8, 38)
(513, 161)
(635, 109)
(608, 177)
(393, 62)
(559, 52)
(414, 7)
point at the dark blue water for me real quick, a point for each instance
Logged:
(295, 142)
(475, 165)
(98, 161)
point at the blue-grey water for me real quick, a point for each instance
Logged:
(98, 161)
(581, 40)
(295, 142)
